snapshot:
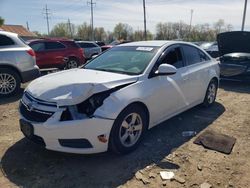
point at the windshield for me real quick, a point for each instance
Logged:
(131, 60)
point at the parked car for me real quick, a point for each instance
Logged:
(90, 48)
(234, 49)
(114, 43)
(116, 97)
(211, 48)
(17, 64)
(100, 43)
(57, 53)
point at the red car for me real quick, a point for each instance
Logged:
(57, 53)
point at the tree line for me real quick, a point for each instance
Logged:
(123, 31)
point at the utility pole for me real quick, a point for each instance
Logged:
(47, 13)
(145, 22)
(244, 16)
(70, 29)
(92, 18)
(191, 19)
(27, 25)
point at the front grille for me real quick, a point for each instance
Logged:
(33, 114)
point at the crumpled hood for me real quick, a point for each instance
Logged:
(74, 86)
(233, 42)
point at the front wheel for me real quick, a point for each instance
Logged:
(128, 130)
(211, 93)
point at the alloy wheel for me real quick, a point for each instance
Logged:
(131, 129)
(211, 93)
(7, 83)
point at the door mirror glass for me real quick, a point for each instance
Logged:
(166, 69)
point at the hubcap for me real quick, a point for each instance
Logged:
(72, 64)
(131, 129)
(7, 83)
(211, 93)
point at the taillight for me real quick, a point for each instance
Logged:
(31, 52)
(82, 51)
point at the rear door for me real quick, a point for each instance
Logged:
(197, 64)
(55, 54)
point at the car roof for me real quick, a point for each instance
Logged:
(85, 42)
(155, 43)
(10, 34)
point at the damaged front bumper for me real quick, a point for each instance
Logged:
(84, 136)
(42, 123)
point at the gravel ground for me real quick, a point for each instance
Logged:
(25, 164)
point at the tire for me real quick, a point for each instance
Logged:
(211, 93)
(10, 82)
(131, 123)
(72, 63)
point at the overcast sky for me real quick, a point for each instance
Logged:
(107, 13)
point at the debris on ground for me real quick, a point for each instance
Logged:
(205, 185)
(165, 175)
(216, 141)
(152, 175)
(139, 176)
(199, 167)
(179, 179)
(188, 133)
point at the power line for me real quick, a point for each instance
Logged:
(92, 18)
(145, 22)
(244, 16)
(47, 14)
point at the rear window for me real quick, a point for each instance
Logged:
(53, 45)
(86, 45)
(6, 41)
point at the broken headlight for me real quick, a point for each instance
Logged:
(89, 106)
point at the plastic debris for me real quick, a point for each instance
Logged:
(188, 133)
(165, 175)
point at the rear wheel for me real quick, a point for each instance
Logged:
(211, 93)
(9, 82)
(72, 63)
(128, 129)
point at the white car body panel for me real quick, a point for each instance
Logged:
(175, 94)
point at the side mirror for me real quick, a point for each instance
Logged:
(166, 69)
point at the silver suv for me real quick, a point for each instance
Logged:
(17, 64)
(90, 48)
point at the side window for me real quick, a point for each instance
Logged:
(203, 56)
(6, 41)
(192, 54)
(53, 45)
(174, 57)
(37, 47)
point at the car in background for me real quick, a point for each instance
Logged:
(114, 43)
(211, 48)
(90, 48)
(100, 43)
(234, 49)
(57, 53)
(17, 63)
(113, 100)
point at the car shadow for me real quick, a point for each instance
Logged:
(235, 86)
(27, 165)
(7, 100)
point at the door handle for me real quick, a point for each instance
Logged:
(185, 78)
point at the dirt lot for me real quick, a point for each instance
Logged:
(26, 165)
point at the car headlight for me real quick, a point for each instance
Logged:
(89, 106)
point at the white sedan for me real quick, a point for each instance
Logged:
(113, 100)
